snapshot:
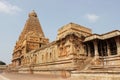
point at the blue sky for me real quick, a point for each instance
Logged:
(100, 15)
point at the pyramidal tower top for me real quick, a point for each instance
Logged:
(32, 36)
(32, 25)
(32, 14)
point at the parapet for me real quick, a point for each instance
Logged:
(73, 28)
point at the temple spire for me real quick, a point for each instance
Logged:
(31, 38)
(33, 14)
(32, 25)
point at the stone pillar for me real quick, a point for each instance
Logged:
(108, 48)
(15, 62)
(117, 40)
(89, 54)
(95, 48)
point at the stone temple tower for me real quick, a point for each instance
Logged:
(31, 38)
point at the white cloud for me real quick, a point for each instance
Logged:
(8, 8)
(92, 17)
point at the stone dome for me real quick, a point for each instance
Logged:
(33, 14)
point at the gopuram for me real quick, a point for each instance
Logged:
(76, 50)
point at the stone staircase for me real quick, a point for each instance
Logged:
(84, 63)
(108, 63)
(101, 63)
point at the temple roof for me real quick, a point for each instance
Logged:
(74, 29)
(32, 25)
(76, 26)
(103, 36)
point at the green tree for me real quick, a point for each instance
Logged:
(2, 63)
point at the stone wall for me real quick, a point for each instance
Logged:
(73, 28)
(58, 55)
(90, 76)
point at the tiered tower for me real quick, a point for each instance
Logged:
(31, 38)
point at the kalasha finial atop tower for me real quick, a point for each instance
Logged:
(33, 14)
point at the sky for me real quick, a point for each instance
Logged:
(100, 15)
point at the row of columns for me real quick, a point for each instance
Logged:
(95, 43)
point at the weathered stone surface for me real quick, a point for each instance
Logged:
(75, 49)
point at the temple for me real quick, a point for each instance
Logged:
(75, 50)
